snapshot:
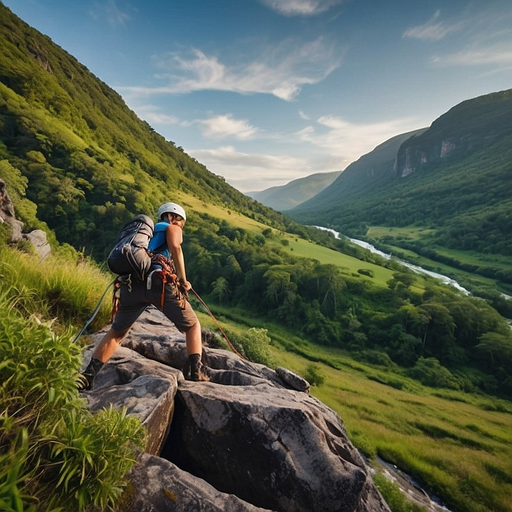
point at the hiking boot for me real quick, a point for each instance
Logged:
(197, 369)
(88, 375)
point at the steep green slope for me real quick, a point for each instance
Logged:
(72, 147)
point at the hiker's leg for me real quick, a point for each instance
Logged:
(101, 354)
(132, 304)
(180, 312)
(194, 352)
(108, 344)
(193, 339)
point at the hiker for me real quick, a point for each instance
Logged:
(162, 289)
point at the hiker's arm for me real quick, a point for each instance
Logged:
(174, 238)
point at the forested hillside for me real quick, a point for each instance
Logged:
(454, 180)
(77, 159)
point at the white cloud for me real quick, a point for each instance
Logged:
(476, 57)
(152, 115)
(280, 70)
(251, 171)
(432, 30)
(301, 7)
(111, 12)
(345, 142)
(222, 126)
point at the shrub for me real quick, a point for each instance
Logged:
(56, 455)
(256, 345)
(313, 375)
(429, 371)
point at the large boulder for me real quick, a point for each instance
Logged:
(158, 485)
(37, 237)
(250, 439)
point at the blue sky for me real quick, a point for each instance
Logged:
(266, 91)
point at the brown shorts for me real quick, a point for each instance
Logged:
(134, 302)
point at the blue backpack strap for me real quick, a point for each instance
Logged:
(158, 244)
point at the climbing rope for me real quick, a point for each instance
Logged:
(94, 313)
(219, 327)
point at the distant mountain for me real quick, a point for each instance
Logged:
(454, 178)
(294, 193)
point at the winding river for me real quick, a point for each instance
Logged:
(415, 268)
(406, 483)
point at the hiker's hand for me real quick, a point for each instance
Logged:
(185, 285)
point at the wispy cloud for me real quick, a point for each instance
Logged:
(250, 171)
(346, 141)
(485, 37)
(153, 115)
(301, 7)
(223, 126)
(433, 30)
(280, 70)
(476, 57)
(111, 12)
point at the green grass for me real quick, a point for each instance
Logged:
(409, 232)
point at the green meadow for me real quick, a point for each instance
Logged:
(457, 445)
(417, 245)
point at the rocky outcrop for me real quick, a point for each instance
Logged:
(36, 237)
(247, 440)
(466, 128)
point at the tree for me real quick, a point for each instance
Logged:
(498, 348)
(220, 289)
(439, 335)
(277, 283)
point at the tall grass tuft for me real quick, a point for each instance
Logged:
(59, 287)
(54, 454)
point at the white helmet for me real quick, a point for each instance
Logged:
(171, 208)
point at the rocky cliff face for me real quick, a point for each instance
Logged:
(37, 237)
(467, 127)
(250, 439)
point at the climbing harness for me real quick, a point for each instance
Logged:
(219, 327)
(94, 313)
(166, 270)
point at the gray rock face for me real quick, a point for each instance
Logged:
(246, 440)
(158, 485)
(37, 237)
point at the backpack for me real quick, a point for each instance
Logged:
(130, 254)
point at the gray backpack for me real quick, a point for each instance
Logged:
(130, 255)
